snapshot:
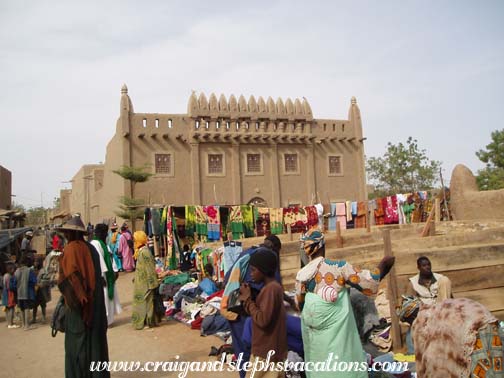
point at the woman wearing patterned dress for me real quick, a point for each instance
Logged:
(145, 284)
(327, 321)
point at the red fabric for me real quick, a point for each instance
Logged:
(312, 215)
(56, 243)
(216, 294)
(390, 206)
(196, 324)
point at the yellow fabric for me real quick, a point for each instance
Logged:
(404, 357)
(140, 239)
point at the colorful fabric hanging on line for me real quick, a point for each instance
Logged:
(248, 220)
(360, 219)
(164, 215)
(236, 222)
(348, 205)
(276, 221)
(201, 222)
(341, 215)
(379, 212)
(171, 257)
(190, 220)
(262, 221)
(311, 216)
(296, 218)
(155, 221)
(147, 222)
(390, 205)
(213, 225)
(331, 222)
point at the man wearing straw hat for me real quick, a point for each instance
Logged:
(81, 285)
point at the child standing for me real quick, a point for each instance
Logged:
(26, 281)
(9, 295)
(269, 332)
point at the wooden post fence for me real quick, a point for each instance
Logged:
(392, 294)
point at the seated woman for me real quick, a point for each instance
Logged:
(328, 323)
(457, 338)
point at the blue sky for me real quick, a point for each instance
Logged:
(428, 69)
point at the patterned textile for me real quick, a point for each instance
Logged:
(213, 226)
(236, 222)
(162, 224)
(390, 205)
(190, 220)
(172, 239)
(262, 221)
(201, 222)
(276, 221)
(248, 220)
(311, 215)
(379, 212)
(457, 338)
(296, 217)
(327, 278)
(360, 220)
(312, 241)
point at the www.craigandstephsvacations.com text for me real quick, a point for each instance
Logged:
(331, 364)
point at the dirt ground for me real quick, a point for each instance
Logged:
(35, 353)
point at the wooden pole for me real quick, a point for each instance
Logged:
(392, 293)
(432, 228)
(289, 232)
(437, 206)
(368, 218)
(445, 202)
(339, 239)
(425, 231)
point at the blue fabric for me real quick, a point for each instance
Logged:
(214, 323)
(208, 286)
(354, 208)
(331, 226)
(239, 346)
(232, 251)
(294, 334)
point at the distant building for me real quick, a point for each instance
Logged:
(227, 152)
(5, 188)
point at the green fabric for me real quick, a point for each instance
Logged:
(162, 225)
(248, 220)
(179, 279)
(143, 291)
(329, 327)
(176, 246)
(408, 210)
(237, 230)
(190, 220)
(109, 275)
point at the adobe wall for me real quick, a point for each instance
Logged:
(5, 188)
(468, 203)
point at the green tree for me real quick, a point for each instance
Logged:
(130, 207)
(36, 216)
(404, 168)
(492, 176)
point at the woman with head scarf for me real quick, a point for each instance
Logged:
(109, 272)
(328, 323)
(145, 284)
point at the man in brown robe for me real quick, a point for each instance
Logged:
(86, 322)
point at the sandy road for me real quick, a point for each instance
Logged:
(35, 353)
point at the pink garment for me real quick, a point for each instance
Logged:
(125, 251)
(390, 206)
(341, 214)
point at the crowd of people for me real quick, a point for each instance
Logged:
(261, 316)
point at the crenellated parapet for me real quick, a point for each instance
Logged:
(200, 107)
